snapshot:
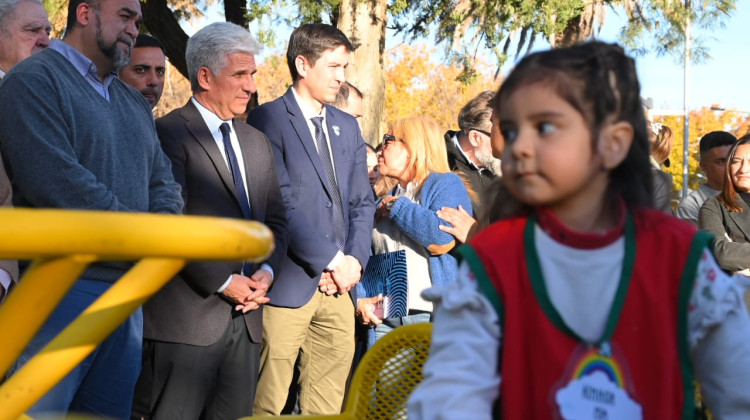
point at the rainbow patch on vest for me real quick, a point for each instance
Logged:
(592, 361)
(596, 386)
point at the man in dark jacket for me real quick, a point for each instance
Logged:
(469, 150)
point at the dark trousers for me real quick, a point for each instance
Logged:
(216, 382)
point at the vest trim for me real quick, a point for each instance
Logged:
(701, 240)
(487, 288)
(540, 290)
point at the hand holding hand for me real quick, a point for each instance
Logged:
(463, 223)
(383, 210)
(366, 310)
(326, 284)
(346, 274)
(259, 283)
(247, 294)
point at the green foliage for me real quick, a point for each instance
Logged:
(660, 26)
(270, 14)
(466, 24)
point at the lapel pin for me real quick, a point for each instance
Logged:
(335, 129)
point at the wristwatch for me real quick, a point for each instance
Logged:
(389, 205)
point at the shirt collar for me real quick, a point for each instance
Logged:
(82, 64)
(562, 234)
(455, 142)
(212, 120)
(2, 73)
(306, 111)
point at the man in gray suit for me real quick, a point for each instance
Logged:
(202, 331)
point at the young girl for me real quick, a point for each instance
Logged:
(586, 302)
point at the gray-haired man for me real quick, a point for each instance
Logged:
(203, 330)
(24, 30)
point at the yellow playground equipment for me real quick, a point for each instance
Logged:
(62, 243)
(385, 377)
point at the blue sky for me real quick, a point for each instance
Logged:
(723, 79)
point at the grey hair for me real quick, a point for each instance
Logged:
(7, 7)
(210, 46)
(475, 115)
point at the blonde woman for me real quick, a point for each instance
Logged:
(415, 183)
(660, 139)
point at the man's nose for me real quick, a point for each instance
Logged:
(43, 40)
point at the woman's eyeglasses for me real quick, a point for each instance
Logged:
(388, 139)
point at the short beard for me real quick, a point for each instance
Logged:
(116, 57)
(489, 162)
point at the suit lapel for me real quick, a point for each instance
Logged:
(305, 137)
(334, 139)
(197, 127)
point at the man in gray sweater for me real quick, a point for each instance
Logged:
(714, 149)
(74, 136)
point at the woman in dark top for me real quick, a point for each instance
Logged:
(727, 216)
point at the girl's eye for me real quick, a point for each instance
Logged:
(546, 128)
(509, 132)
(509, 135)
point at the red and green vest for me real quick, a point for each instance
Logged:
(647, 322)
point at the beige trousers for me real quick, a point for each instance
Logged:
(322, 333)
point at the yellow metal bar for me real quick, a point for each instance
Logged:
(31, 233)
(64, 242)
(82, 336)
(33, 300)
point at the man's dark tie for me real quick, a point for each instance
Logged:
(339, 235)
(239, 186)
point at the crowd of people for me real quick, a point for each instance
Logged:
(539, 237)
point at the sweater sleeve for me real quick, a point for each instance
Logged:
(164, 192)
(37, 146)
(420, 221)
(461, 378)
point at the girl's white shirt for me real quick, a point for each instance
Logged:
(461, 379)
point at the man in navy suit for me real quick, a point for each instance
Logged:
(321, 164)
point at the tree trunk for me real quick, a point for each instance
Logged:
(363, 21)
(235, 11)
(163, 25)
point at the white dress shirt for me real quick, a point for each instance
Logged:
(213, 122)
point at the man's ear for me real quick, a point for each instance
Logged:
(204, 78)
(302, 65)
(474, 139)
(82, 13)
(614, 143)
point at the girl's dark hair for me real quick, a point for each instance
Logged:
(599, 81)
(728, 195)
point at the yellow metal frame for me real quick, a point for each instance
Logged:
(385, 377)
(62, 243)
